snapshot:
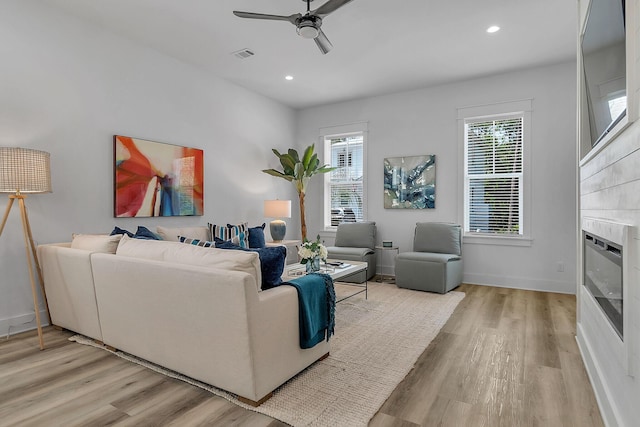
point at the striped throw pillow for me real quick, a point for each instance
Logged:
(197, 242)
(240, 232)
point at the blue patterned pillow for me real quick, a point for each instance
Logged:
(145, 233)
(256, 236)
(239, 233)
(272, 259)
(197, 242)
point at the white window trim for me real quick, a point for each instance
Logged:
(477, 112)
(342, 130)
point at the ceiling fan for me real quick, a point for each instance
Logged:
(308, 25)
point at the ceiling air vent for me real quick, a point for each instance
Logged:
(243, 53)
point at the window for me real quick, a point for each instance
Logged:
(493, 153)
(342, 159)
(617, 105)
(344, 190)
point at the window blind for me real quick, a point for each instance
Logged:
(346, 183)
(493, 176)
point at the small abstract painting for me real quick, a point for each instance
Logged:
(410, 182)
(157, 179)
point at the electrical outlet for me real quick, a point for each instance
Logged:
(560, 267)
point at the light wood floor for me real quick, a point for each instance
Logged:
(505, 358)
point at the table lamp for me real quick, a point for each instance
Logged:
(277, 209)
(25, 171)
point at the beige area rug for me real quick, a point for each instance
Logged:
(377, 342)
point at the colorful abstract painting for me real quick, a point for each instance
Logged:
(156, 179)
(410, 182)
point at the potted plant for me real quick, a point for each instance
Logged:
(299, 171)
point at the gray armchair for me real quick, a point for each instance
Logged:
(435, 265)
(356, 241)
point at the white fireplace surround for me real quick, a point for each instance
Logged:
(625, 349)
(611, 363)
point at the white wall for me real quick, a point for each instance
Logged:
(424, 122)
(67, 87)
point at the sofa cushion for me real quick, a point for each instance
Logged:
(96, 242)
(240, 232)
(180, 253)
(256, 236)
(171, 234)
(438, 237)
(356, 234)
(272, 261)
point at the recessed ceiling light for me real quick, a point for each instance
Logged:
(288, 77)
(493, 29)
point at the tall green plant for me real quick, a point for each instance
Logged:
(299, 171)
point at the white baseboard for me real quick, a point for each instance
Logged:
(524, 283)
(25, 322)
(607, 410)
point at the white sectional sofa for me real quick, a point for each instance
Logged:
(197, 311)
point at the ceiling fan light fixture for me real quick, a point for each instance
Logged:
(308, 30)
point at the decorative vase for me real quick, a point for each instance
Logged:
(313, 265)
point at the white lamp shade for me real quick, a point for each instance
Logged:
(277, 208)
(23, 170)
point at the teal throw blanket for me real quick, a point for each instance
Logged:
(317, 304)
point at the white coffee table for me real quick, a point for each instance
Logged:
(336, 273)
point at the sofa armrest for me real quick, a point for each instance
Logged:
(275, 337)
(68, 282)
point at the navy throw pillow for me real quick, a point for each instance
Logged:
(256, 236)
(145, 233)
(118, 230)
(272, 259)
(221, 243)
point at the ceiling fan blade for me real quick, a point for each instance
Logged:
(323, 43)
(291, 18)
(329, 7)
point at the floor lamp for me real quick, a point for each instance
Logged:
(26, 171)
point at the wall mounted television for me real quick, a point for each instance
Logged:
(604, 66)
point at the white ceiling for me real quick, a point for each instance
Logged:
(380, 46)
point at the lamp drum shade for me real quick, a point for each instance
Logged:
(277, 208)
(24, 170)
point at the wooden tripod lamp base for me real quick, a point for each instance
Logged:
(26, 171)
(30, 251)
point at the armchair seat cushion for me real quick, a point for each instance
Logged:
(428, 257)
(355, 254)
(356, 241)
(338, 252)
